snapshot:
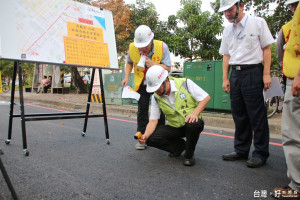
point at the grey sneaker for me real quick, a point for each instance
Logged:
(140, 146)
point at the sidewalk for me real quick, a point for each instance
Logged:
(213, 120)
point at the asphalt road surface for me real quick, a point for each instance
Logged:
(64, 165)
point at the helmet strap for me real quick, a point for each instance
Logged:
(164, 84)
(237, 12)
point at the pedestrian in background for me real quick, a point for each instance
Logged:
(42, 85)
(182, 102)
(154, 52)
(246, 49)
(48, 84)
(290, 124)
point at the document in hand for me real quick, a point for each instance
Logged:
(274, 90)
(128, 92)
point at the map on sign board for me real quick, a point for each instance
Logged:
(61, 32)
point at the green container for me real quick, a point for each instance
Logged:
(209, 76)
(221, 98)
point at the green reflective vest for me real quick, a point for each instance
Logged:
(185, 104)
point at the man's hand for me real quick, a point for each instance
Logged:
(267, 81)
(149, 63)
(226, 86)
(143, 139)
(296, 85)
(191, 118)
(124, 82)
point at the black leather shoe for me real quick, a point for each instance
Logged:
(189, 161)
(255, 162)
(234, 156)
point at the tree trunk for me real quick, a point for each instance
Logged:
(78, 81)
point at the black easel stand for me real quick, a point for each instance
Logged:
(6, 177)
(103, 102)
(50, 116)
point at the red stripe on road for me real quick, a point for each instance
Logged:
(48, 108)
(275, 144)
(228, 136)
(218, 135)
(123, 120)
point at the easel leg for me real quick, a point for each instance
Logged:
(26, 152)
(104, 107)
(12, 102)
(88, 103)
(8, 182)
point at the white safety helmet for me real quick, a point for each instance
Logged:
(226, 4)
(155, 76)
(142, 36)
(288, 2)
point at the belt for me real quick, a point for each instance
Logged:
(244, 67)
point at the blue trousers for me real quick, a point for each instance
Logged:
(249, 112)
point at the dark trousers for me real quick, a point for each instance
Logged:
(249, 112)
(46, 88)
(143, 108)
(170, 139)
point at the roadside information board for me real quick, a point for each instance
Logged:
(62, 32)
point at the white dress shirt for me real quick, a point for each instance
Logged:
(244, 41)
(195, 91)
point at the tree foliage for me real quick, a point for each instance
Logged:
(6, 68)
(195, 32)
(274, 11)
(122, 25)
(142, 14)
(121, 15)
(274, 61)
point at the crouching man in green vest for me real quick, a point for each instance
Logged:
(143, 53)
(181, 101)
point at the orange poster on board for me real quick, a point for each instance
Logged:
(86, 52)
(85, 32)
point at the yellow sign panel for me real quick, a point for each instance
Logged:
(85, 32)
(96, 98)
(86, 52)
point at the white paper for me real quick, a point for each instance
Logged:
(142, 61)
(128, 92)
(274, 90)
